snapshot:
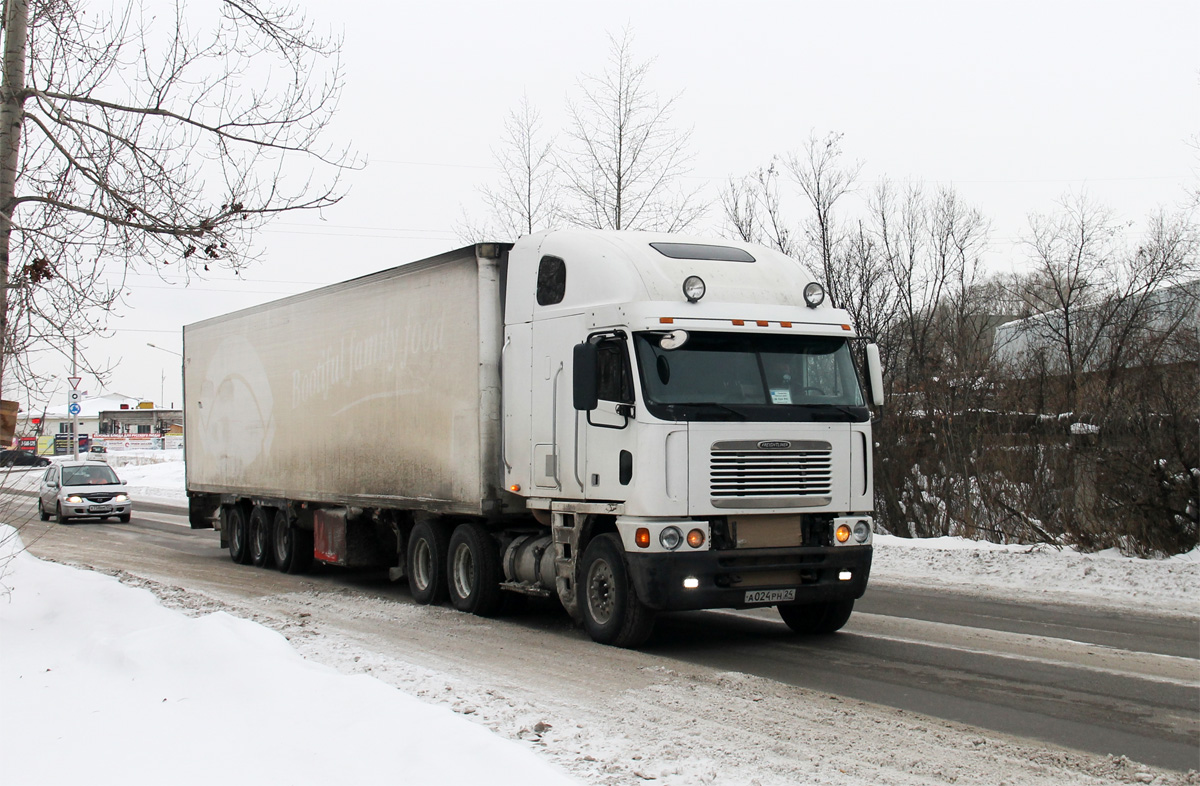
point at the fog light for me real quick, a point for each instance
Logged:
(845, 575)
(693, 288)
(861, 531)
(691, 583)
(642, 538)
(670, 538)
(696, 538)
(814, 294)
(843, 533)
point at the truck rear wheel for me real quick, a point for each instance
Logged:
(817, 617)
(262, 522)
(292, 546)
(427, 554)
(473, 569)
(612, 612)
(237, 535)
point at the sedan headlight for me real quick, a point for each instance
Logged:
(121, 498)
(75, 499)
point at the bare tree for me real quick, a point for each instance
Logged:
(127, 140)
(753, 207)
(528, 197)
(824, 179)
(624, 161)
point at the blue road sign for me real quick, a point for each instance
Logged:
(73, 409)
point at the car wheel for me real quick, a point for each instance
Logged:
(612, 612)
(42, 514)
(474, 571)
(58, 514)
(815, 618)
(124, 518)
(426, 555)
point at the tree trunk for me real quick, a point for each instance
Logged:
(12, 101)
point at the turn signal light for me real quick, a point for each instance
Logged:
(514, 488)
(695, 538)
(843, 533)
(642, 538)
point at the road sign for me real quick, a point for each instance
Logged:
(74, 382)
(73, 397)
(73, 409)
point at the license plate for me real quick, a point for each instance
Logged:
(100, 509)
(770, 596)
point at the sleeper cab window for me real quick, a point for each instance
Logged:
(551, 281)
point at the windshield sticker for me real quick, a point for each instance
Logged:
(781, 396)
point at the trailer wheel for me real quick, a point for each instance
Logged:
(261, 524)
(237, 537)
(427, 562)
(473, 569)
(817, 617)
(292, 546)
(612, 612)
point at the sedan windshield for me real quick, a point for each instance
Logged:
(738, 376)
(99, 475)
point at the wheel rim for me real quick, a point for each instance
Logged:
(422, 564)
(600, 583)
(237, 533)
(260, 538)
(464, 571)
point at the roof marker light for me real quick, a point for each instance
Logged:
(738, 322)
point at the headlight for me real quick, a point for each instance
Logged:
(120, 498)
(861, 531)
(814, 294)
(670, 538)
(75, 499)
(693, 288)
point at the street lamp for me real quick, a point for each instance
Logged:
(164, 349)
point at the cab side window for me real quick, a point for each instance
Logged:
(551, 281)
(613, 380)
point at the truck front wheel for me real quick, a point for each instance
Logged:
(612, 612)
(474, 571)
(427, 563)
(817, 617)
(237, 535)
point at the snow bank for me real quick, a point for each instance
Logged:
(111, 687)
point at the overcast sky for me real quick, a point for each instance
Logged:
(1015, 104)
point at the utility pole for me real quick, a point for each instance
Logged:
(74, 412)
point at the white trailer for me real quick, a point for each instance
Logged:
(630, 422)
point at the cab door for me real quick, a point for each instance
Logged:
(607, 432)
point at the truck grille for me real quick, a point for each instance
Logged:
(770, 474)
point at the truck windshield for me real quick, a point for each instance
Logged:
(732, 376)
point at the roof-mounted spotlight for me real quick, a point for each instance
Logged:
(814, 294)
(693, 288)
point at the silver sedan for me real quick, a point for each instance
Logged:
(83, 489)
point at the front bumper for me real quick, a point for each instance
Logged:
(724, 576)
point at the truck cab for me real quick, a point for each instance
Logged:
(688, 416)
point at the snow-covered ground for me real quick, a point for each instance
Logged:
(101, 683)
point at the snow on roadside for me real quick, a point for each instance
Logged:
(102, 684)
(1104, 579)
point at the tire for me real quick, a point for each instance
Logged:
(58, 514)
(292, 547)
(473, 571)
(815, 618)
(426, 562)
(42, 514)
(238, 535)
(612, 612)
(124, 518)
(262, 522)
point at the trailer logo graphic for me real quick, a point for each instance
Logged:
(237, 423)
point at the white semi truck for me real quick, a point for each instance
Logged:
(630, 422)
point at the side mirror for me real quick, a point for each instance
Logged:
(875, 372)
(584, 390)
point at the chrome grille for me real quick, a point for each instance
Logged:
(745, 469)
